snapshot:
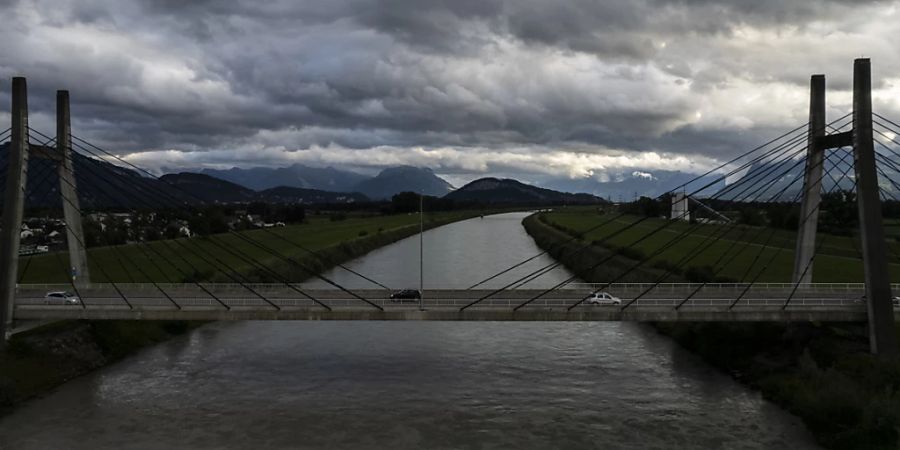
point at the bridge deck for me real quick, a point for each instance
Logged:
(820, 302)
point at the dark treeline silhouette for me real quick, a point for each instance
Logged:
(838, 212)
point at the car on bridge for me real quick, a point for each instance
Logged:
(895, 300)
(406, 294)
(61, 298)
(603, 298)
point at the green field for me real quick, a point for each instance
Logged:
(837, 260)
(171, 261)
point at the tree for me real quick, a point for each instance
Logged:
(261, 209)
(294, 214)
(405, 202)
(751, 216)
(839, 213)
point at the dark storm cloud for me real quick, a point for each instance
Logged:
(678, 77)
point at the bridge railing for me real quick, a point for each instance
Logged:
(110, 302)
(570, 286)
(722, 286)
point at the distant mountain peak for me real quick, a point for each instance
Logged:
(507, 190)
(394, 180)
(389, 181)
(296, 175)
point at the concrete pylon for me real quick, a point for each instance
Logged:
(71, 209)
(13, 203)
(680, 208)
(882, 334)
(812, 184)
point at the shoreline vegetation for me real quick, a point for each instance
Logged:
(821, 372)
(38, 360)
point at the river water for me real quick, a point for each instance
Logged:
(410, 385)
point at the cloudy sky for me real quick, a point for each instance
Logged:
(529, 88)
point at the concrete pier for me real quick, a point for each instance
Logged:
(680, 208)
(67, 188)
(13, 203)
(812, 184)
(882, 334)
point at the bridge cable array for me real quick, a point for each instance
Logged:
(797, 140)
(295, 244)
(244, 236)
(750, 194)
(119, 255)
(750, 178)
(681, 186)
(793, 138)
(137, 186)
(205, 256)
(709, 241)
(759, 189)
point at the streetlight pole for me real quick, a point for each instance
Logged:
(421, 252)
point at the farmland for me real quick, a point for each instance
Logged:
(732, 253)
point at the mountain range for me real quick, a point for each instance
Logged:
(296, 175)
(102, 185)
(213, 190)
(508, 191)
(383, 186)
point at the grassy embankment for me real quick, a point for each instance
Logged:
(40, 359)
(334, 240)
(837, 260)
(821, 372)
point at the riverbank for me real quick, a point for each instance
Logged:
(38, 360)
(823, 373)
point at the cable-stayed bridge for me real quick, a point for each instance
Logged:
(856, 154)
(840, 302)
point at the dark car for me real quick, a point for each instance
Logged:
(406, 294)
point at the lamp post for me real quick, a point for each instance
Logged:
(421, 252)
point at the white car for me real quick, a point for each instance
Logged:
(895, 300)
(61, 298)
(603, 298)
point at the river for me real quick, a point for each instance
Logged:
(411, 385)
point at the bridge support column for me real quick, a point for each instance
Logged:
(13, 203)
(680, 208)
(812, 184)
(71, 209)
(882, 334)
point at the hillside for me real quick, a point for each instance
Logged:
(296, 175)
(285, 194)
(213, 190)
(100, 185)
(508, 191)
(209, 189)
(394, 180)
(383, 186)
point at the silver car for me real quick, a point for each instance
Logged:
(603, 298)
(61, 298)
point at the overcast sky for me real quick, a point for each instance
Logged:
(468, 87)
